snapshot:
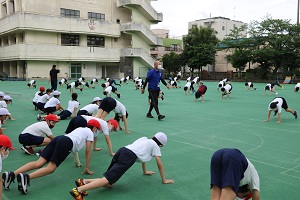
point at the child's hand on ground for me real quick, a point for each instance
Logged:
(149, 173)
(168, 181)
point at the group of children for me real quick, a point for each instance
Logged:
(225, 181)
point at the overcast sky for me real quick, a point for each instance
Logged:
(177, 13)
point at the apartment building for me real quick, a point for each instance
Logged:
(89, 38)
(223, 26)
(169, 44)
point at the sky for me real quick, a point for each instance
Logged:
(177, 13)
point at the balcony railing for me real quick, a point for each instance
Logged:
(144, 8)
(56, 52)
(144, 56)
(30, 21)
(144, 32)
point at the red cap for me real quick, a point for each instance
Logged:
(42, 88)
(114, 123)
(6, 142)
(51, 117)
(94, 123)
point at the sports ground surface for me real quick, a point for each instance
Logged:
(194, 129)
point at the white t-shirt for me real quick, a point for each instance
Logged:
(222, 84)
(249, 83)
(72, 105)
(3, 104)
(196, 79)
(79, 138)
(44, 98)
(269, 86)
(38, 129)
(227, 88)
(278, 105)
(0, 164)
(108, 89)
(251, 177)
(122, 79)
(52, 102)
(36, 96)
(103, 124)
(297, 85)
(145, 149)
(31, 82)
(120, 108)
(94, 80)
(188, 79)
(90, 108)
(139, 82)
(62, 80)
(188, 85)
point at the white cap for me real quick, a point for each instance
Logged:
(4, 111)
(56, 93)
(1, 94)
(7, 98)
(97, 99)
(161, 137)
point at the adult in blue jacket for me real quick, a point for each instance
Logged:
(154, 76)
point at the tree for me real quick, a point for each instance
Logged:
(199, 47)
(171, 62)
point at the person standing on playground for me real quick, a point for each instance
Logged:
(154, 76)
(276, 105)
(53, 77)
(233, 175)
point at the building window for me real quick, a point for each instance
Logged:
(69, 40)
(69, 13)
(223, 28)
(94, 41)
(168, 49)
(96, 16)
(174, 47)
(75, 70)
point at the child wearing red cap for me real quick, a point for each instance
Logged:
(142, 150)
(54, 154)
(33, 135)
(5, 146)
(37, 95)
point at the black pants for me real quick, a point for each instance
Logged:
(153, 96)
(54, 85)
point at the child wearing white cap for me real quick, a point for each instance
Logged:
(90, 108)
(7, 99)
(142, 150)
(3, 114)
(53, 104)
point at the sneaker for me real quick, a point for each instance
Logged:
(162, 98)
(81, 90)
(119, 95)
(7, 179)
(149, 115)
(79, 183)
(276, 93)
(28, 150)
(295, 114)
(39, 117)
(275, 112)
(23, 182)
(162, 93)
(160, 117)
(76, 194)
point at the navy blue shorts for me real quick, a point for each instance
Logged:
(64, 114)
(76, 122)
(50, 110)
(40, 106)
(83, 112)
(120, 163)
(28, 139)
(227, 168)
(108, 104)
(57, 150)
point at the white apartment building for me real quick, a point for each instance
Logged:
(89, 38)
(223, 26)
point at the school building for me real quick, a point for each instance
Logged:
(89, 38)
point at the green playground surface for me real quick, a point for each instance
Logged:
(194, 129)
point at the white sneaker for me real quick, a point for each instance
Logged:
(276, 93)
